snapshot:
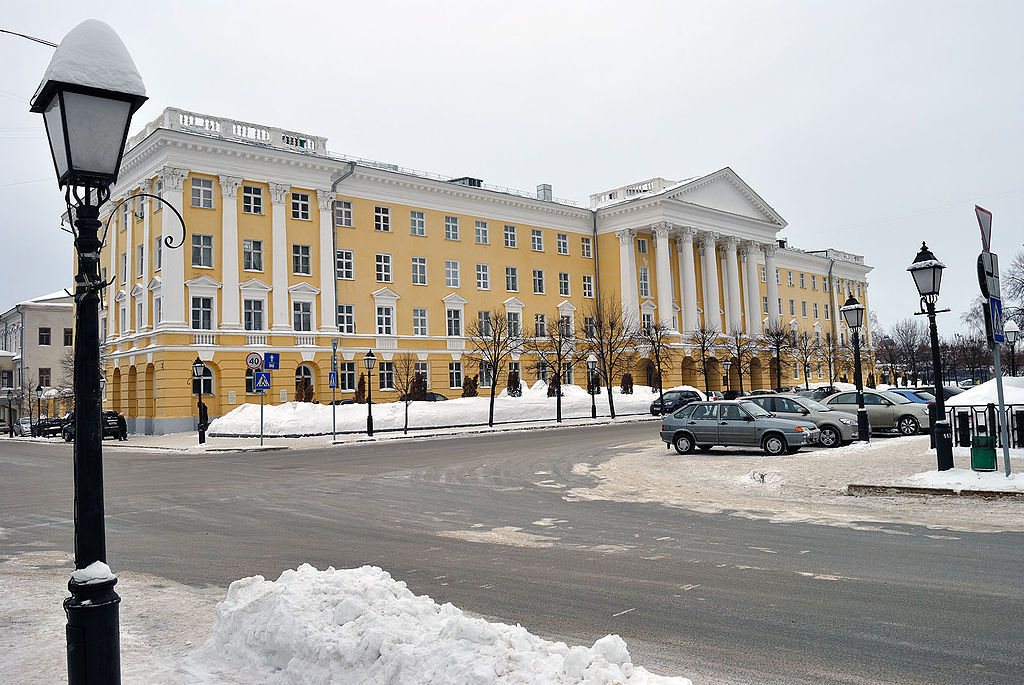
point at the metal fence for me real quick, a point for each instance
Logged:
(970, 421)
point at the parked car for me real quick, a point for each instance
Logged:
(836, 427)
(763, 391)
(818, 393)
(23, 427)
(674, 400)
(430, 397)
(734, 394)
(48, 427)
(715, 395)
(886, 410)
(111, 429)
(734, 423)
(915, 395)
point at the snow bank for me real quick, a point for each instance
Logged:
(362, 626)
(1013, 393)
(966, 479)
(303, 418)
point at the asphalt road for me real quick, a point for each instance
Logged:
(481, 522)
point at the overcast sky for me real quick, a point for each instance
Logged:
(869, 126)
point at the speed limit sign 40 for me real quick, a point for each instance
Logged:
(254, 360)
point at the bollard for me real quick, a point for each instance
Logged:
(991, 425)
(963, 429)
(932, 415)
(1018, 419)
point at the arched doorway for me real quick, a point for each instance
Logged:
(304, 383)
(132, 409)
(115, 391)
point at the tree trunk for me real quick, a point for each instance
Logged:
(405, 429)
(490, 413)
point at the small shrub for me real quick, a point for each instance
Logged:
(418, 391)
(360, 396)
(513, 386)
(627, 384)
(469, 386)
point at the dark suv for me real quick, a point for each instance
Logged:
(111, 429)
(47, 427)
(674, 399)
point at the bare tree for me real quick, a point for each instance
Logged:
(743, 348)
(776, 338)
(612, 338)
(911, 340)
(830, 351)
(405, 382)
(557, 351)
(805, 350)
(655, 338)
(493, 339)
(704, 338)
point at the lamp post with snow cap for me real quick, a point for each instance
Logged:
(591, 367)
(87, 97)
(1011, 331)
(368, 361)
(199, 371)
(927, 273)
(39, 401)
(853, 313)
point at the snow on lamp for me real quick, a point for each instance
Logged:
(853, 313)
(927, 273)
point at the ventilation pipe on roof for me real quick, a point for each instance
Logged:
(544, 192)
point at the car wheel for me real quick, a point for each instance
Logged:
(907, 425)
(774, 445)
(830, 437)
(683, 443)
(704, 448)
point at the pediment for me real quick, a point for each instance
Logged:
(566, 306)
(454, 298)
(725, 191)
(303, 289)
(255, 284)
(385, 293)
(514, 303)
(137, 290)
(121, 296)
(203, 282)
(648, 306)
(155, 283)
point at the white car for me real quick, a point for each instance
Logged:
(886, 410)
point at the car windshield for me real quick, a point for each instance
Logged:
(925, 395)
(894, 397)
(814, 405)
(755, 409)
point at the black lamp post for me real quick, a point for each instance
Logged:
(199, 372)
(87, 97)
(39, 401)
(10, 413)
(853, 313)
(927, 273)
(727, 364)
(1010, 331)
(591, 367)
(369, 361)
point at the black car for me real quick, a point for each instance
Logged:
(429, 397)
(111, 427)
(47, 427)
(734, 394)
(674, 400)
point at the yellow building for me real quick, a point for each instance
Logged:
(289, 246)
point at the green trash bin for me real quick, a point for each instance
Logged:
(983, 453)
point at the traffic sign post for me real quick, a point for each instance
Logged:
(333, 382)
(261, 383)
(271, 361)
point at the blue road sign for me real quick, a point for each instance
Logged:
(332, 379)
(262, 380)
(995, 307)
(271, 361)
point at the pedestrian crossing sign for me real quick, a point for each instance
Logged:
(332, 379)
(262, 380)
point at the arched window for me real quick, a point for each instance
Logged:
(303, 383)
(204, 384)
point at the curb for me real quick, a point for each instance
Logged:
(859, 490)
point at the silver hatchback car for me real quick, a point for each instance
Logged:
(837, 427)
(738, 423)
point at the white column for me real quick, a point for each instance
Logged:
(279, 257)
(112, 270)
(709, 275)
(129, 266)
(687, 278)
(751, 276)
(627, 277)
(663, 263)
(732, 274)
(328, 306)
(147, 211)
(230, 312)
(173, 260)
(773, 285)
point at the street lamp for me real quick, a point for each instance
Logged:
(853, 313)
(1010, 331)
(199, 371)
(10, 413)
(39, 401)
(727, 364)
(87, 97)
(927, 273)
(591, 367)
(368, 361)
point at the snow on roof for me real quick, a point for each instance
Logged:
(50, 298)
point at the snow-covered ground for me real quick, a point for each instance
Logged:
(332, 626)
(303, 418)
(1013, 393)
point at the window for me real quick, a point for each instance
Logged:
(510, 236)
(778, 277)
(764, 304)
(44, 376)
(589, 327)
(158, 190)
(803, 281)
(202, 193)
(300, 206)
(383, 267)
(202, 313)
(780, 305)
(515, 368)
(69, 337)
(158, 313)
(562, 241)
(303, 377)
(451, 273)
(764, 274)
(796, 370)
(511, 279)
(647, 321)
(419, 321)
(563, 284)
(540, 326)
(482, 235)
(417, 223)
(346, 318)
(536, 240)
(344, 264)
(204, 384)
(252, 199)
(824, 284)
(792, 308)
(346, 375)
(567, 374)
(814, 282)
(538, 281)
(343, 214)
(586, 248)
(252, 255)
(454, 320)
(419, 270)
(858, 290)
(645, 282)
(588, 285)
(641, 245)
(815, 310)
(122, 321)
(486, 377)
(483, 277)
(386, 373)
(302, 316)
(542, 372)
(44, 336)
(382, 219)
(385, 320)
(821, 371)
(252, 315)
(454, 375)
(140, 260)
(565, 326)
(803, 308)
(789, 277)
(124, 267)
(202, 250)
(483, 323)
(827, 317)
(451, 228)
(422, 369)
(300, 260)
(515, 324)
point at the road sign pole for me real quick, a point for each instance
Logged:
(262, 393)
(334, 386)
(1005, 435)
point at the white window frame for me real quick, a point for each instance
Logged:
(300, 206)
(419, 270)
(588, 286)
(512, 279)
(252, 199)
(385, 319)
(386, 375)
(382, 218)
(452, 275)
(202, 193)
(158, 253)
(536, 240)
(345, 265)
(764, 274)
(140, 260)
(420, 321)
(248, 312)
(343, 214)
(192, 311)
(483, 277)
(511, 239)
(417, 223)
(302, 309)
(451, 228)
(586, 247)
(302, 260)
(455, 375)
(641, 245)
(346, 316)
(424, 368)
(540, 325)
(384, 271)
(252, 255)
(204, 251)
(645, 282)
(562, 243)
(538, 281)
(483, 234)
(347, 376)
(564, 288)
(453, 322)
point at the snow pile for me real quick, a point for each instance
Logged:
(1013, 393)
(966, 479)
(303, 418)
(96, 572)
(362, 626)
